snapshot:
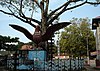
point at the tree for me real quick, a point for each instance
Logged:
(17, 8)
(20, 8)
(74, 38)
(5, 42)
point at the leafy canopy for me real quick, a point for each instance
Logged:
(75, 37)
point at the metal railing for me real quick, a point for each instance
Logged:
(39, 63)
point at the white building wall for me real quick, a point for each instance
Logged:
(98, 42)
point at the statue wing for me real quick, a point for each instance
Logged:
(50, 30)
(23, 30)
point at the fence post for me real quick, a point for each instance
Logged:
(70, 64)
(15, 62)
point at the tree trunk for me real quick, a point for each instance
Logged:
(43, 29)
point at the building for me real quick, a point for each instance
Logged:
(96, 26)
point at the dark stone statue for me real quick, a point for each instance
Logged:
(38, 37)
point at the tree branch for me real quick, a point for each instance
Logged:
(82, 4)
(20, 10)
(12, 14)
(21, 14)
(75, 6)
(6, 12)
(25, 21)
(34, 20)
(63, 10)
(53, 12)
(92, 3)
(46, 8)
(37, 3)
(59, 13)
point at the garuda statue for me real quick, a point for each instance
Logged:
(38, 37)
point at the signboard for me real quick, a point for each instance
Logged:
(38, 58)
(37, 55)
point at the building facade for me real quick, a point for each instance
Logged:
(96, 26)
(98, 42)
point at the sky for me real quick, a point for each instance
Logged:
(80, 12)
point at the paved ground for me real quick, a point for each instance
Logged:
(2, 68)
(88, 68)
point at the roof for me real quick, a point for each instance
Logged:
(95, 23)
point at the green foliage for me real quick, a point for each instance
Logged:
(20, 44)
(74, 38)
(7, 39)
